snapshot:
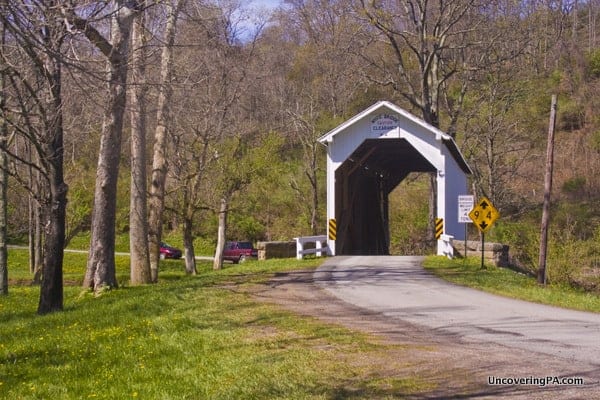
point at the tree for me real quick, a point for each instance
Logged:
(425, 40)
(216, 73)
(34, 77)
(100, 273)
(420, 35)
(35, 223)
(3, 179)
(156, 202)
(241, 158)
(320, 86)
(432, 51)
(138, 220)
(496, 139)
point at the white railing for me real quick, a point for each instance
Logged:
(320, 246)
(445, 246)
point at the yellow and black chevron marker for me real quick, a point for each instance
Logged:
(332, 229)
(439, 227)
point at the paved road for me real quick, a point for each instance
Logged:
(399, 288)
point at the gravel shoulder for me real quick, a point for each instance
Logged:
(456, 368)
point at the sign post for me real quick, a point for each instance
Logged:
(465, 205)
(484, 214)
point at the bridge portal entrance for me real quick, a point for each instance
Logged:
(367, 157)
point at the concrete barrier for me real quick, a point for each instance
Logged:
(495, 253)
(268, 250)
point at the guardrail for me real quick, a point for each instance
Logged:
(445, 247)
(320, 246)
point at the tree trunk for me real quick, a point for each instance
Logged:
(3, 193)
(159, 159)
(36, 237)
(138, 222)
(37, 249)
(51, 293)
(188, 246)
(101, 272)
(31, 234)
(3, 219)
(221, 234)
(40, 33)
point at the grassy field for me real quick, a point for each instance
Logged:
(205, 337)
(185, 338)
(201, 246)
(506, 282)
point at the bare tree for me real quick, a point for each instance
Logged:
(191, 158)
(496, 140)
(3, 177)
(34, 75)
(100, 271)
(321, 83)
(156, 204)
(36, 233)
(138, 221)
(215, 74)
(305, 125)
(231, 177)
(436, 49)
(241, 158)
(421, 34)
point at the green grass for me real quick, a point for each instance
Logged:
(506, 282)
(174, 238)
(74, 266)
(187, 337)
(205, 337)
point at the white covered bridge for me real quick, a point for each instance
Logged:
(367, 157)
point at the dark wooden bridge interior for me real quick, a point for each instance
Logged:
(363, 183)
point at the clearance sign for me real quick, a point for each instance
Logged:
(383, 123)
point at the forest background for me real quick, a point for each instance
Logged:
(197, 121)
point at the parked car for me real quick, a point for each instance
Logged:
(167, 251)
(239, 252)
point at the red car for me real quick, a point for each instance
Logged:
(167, 251)
(238, 252)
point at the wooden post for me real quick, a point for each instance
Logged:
(541, 275)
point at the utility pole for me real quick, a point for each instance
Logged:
(541, 275)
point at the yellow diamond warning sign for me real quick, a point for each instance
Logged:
(484, 214)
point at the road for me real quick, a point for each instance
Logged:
(401, 289)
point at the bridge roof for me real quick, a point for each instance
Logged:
(385, 106)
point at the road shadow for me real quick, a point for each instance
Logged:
(455, 368)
